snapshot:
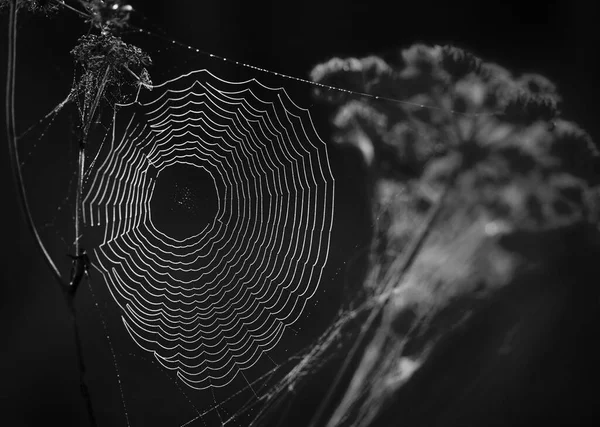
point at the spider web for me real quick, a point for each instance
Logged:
(211, 304)
(208, 211)
(209, 208)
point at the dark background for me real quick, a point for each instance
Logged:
(39, 379)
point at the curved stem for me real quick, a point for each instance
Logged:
(12, 142)
(16, 170)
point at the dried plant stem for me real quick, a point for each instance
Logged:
(87, 124)
(12, 142)
(18, 176)
(87, 121)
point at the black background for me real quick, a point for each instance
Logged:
(39, 379)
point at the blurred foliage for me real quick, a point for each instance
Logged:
(517, 188)
(109, 16)
(441, 110)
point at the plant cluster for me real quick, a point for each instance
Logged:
(107, 62)
(517, 158)
(515, 187)
(107, 65)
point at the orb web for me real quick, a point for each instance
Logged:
(184, 200)
(210, 304)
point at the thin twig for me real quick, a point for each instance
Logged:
(90, 117)
(87, 121)
(80, 13)
(12, 143)
(16, 169)
(80, 257)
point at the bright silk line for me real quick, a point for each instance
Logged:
(211, 304)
